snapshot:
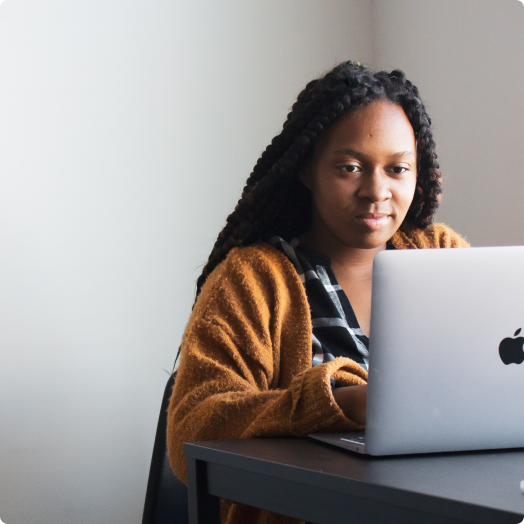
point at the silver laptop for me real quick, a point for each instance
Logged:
(446, 358)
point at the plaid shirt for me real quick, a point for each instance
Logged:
(336, 332)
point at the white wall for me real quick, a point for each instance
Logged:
(127, 130)
(467, 58)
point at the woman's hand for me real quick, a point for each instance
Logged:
(352, 401)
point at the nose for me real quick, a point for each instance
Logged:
(375, 186)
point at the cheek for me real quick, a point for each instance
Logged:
(331, 195)
(405, 193)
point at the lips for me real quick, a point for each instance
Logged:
(373, 221)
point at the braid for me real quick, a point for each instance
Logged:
(274, 200)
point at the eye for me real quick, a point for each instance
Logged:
(398, 170)
(350, 168)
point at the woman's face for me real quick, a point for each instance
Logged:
(362, 176)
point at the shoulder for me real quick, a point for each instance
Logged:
(259, 260)
(256, 276)
(435, 236)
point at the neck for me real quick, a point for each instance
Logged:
(343, 257)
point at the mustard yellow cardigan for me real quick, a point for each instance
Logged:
(246, 362)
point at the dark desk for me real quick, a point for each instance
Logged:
(325, 485)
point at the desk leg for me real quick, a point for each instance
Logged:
(203, 508)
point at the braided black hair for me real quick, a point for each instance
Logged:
(274, 200)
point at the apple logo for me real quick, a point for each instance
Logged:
(511, 350)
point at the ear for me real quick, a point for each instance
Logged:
(304, 174)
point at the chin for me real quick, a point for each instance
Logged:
(371, 240)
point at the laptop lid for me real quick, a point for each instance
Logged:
(439, 378)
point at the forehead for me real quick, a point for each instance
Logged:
(379, 125)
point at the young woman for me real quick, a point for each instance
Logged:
(277, 343)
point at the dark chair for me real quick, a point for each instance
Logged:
(166, 495)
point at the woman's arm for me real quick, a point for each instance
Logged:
(224, 392)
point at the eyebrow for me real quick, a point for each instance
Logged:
(357, 154)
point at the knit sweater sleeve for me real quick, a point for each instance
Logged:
(245, 368)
